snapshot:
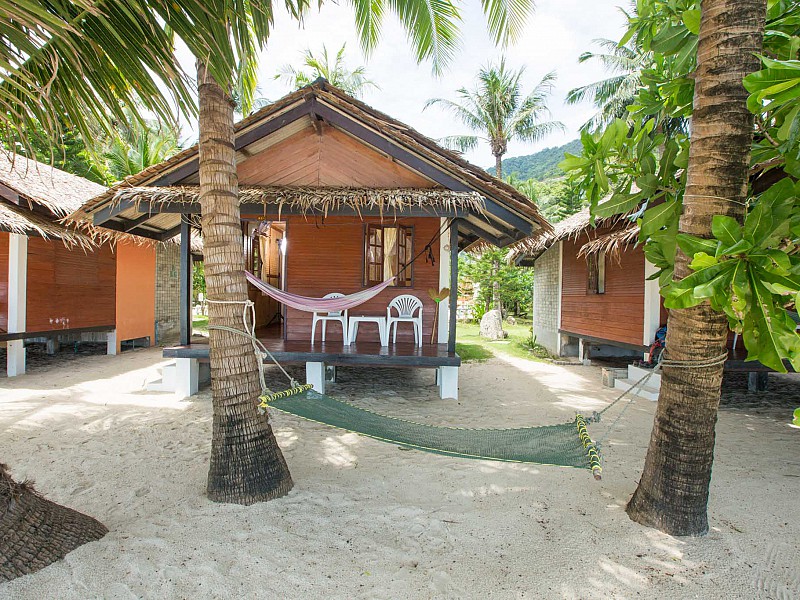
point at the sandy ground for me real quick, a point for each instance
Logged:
(367, 520)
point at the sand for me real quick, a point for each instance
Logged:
(368, 520)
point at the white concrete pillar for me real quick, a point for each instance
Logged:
(559, 340)
(17, 301)
(448, 382)
(652, 307)
(443, 325)
(315, 375)
(111, 343)
(187, 377)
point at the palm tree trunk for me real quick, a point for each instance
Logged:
(246, 463)
(498, 166)
(35, 532)
(673, 492)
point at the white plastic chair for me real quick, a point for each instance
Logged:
(405, 305)
(338, 315)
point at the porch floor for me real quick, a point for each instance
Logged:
(335, 353)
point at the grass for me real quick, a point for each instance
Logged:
(472, 347)
(200, 323)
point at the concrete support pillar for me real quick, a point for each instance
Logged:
(187, 377)
(652, 307)
(17, 301)
(443, 326)
(315, 375)
(52, 345)
(111, 343)
(448, 382)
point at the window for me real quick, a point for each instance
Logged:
(387, 250)
(596, 265)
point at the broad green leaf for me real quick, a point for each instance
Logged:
(740, 247)
(691, 18)
(726, 229)
(691, 245)
(702, 260)
(617, 204)
(656, 217)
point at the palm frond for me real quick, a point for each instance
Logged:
(506, 18)
(459, 143)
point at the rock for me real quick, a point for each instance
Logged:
(492, 325)
(511, 320)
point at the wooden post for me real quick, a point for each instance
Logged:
(17, 301)
(451, 338)
(186, 282)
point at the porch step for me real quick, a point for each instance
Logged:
(647, 392)
(636, 373)
(167, 381)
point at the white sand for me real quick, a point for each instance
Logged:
(367, 520)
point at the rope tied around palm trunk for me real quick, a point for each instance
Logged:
(260, 350)
(702, 363)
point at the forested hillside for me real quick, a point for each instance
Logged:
(540, 166)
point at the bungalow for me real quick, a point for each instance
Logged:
(335, 197)
(59, 283)
(592, 296)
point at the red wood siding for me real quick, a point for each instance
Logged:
(618, 314)
(3, 281)
(331, 158)
(76, 288)
(329, 258)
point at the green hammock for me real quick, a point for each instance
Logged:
(566, 445)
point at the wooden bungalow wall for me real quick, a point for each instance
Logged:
(618, 314)
(67, 288)
(329, 258)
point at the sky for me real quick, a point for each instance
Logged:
(555, 36)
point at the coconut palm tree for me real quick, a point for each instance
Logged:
(673, 492)
(611, 96)
(336, 72)
(497, 109)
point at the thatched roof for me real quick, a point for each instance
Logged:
(571, 228)
(34, 197)
(507, 216)
(323, 200)
(14, 219)
(37, 183)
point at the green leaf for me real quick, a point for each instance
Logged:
(691, 18)
(726, 229)
(618, 203)
(740, 247)
(702, 260)
(656, 217)
(691, 245)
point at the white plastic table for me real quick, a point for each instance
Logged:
(380, 321)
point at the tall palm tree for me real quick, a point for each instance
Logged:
(353, 82)
(498, 109)
(611, 96)
(673, 492)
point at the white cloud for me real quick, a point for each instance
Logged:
(555, 36)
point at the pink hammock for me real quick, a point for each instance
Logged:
(307, 304)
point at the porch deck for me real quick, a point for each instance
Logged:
(335, 353)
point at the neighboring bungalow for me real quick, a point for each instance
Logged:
(592, 296)
(591, 288)
(60, 284)
(335, 197)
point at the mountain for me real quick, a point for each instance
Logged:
(542, 165)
